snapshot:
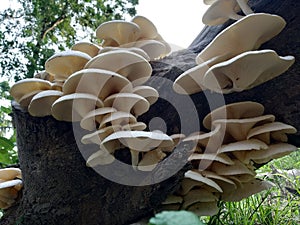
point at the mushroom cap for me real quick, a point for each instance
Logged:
(150, 160)
(100, 157)
(238, 129)
(198, 195)
(245, 145)
(10, 183)
(154, 49)
(197, 176)
(41, 103)
(136, 50)
(247, 189)
(25, 100)
(243, 36)
(273, 152)
(204, 208)
(121, 32)
(238, 110)
(172, 199)
(271, 127)
(98, 82)
(26, 86)
(129, 64)
(148, 29)
(63, 64)
(223, 158)
(10, 173)
(94, 117)
(191, 81)
(117, 118)
(99, 135)
(141, 141)
(188, 184)
(149, 93)
(73, 107)
(221, 180)
(87, 47)
(245, 71)
(134, 126)
(128, 102)
(220, 11)
(237, 168)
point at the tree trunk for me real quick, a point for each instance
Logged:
(60, 189)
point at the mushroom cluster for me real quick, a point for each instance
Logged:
(231, 62)
(101, 86)
(10, 185)
(224, 160)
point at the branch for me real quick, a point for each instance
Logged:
(47, 29)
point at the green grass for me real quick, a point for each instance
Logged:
(273, 207)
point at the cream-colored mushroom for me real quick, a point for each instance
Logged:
(101, 157)
(87, 47)
(198, 195)
(27, 86)
(25, 100)
(129, 64)
(238, 110)
(128, 102)
(246, 71)
(221, 11)
(150, 160)
(265, 131)
(41, 103)
(147, 28)
(238, 168)
(242, 36)
(136, 141)
(99, 135)
(98, 82)
(149, 93)
(120, 32)
(92, 119)
(136, 50)
(63, 64)
(73, 107)
(117, 118)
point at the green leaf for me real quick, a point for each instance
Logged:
(175, 218)
(6, 144)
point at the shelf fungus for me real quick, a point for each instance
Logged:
(10, 185)
(223, 63)
(224, 160)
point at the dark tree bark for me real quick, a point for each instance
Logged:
(60, 189)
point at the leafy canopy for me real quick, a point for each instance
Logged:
(30, 34)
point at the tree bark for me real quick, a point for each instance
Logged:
(60, 189)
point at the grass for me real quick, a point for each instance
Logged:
(279, 205)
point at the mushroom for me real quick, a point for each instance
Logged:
(149, 93)
(150, 160)
(198, 195)
(29, 86)
(220, 11)
(41, 103)
(128, 102)
(98, 82)
(99, 135)
(246, 71)
(242, 36)
(204, 208)
(136, 141)
(265, 132)
(238, 110)
(247, 189)
(117, 118)
(63, 64)
(25, 100)
(129, 64)
(118, 32)
(73, 107)
(101, 157)
(147, 28)
(9, 186)
(136, 50)
(87, 47)
(93, 118)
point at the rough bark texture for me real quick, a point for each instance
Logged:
(60, 189)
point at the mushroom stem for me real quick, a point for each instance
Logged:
(134, 158)
(244, 7)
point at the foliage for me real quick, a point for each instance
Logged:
(30, 34)
(175, 218)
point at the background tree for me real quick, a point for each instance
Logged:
(30, 34)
